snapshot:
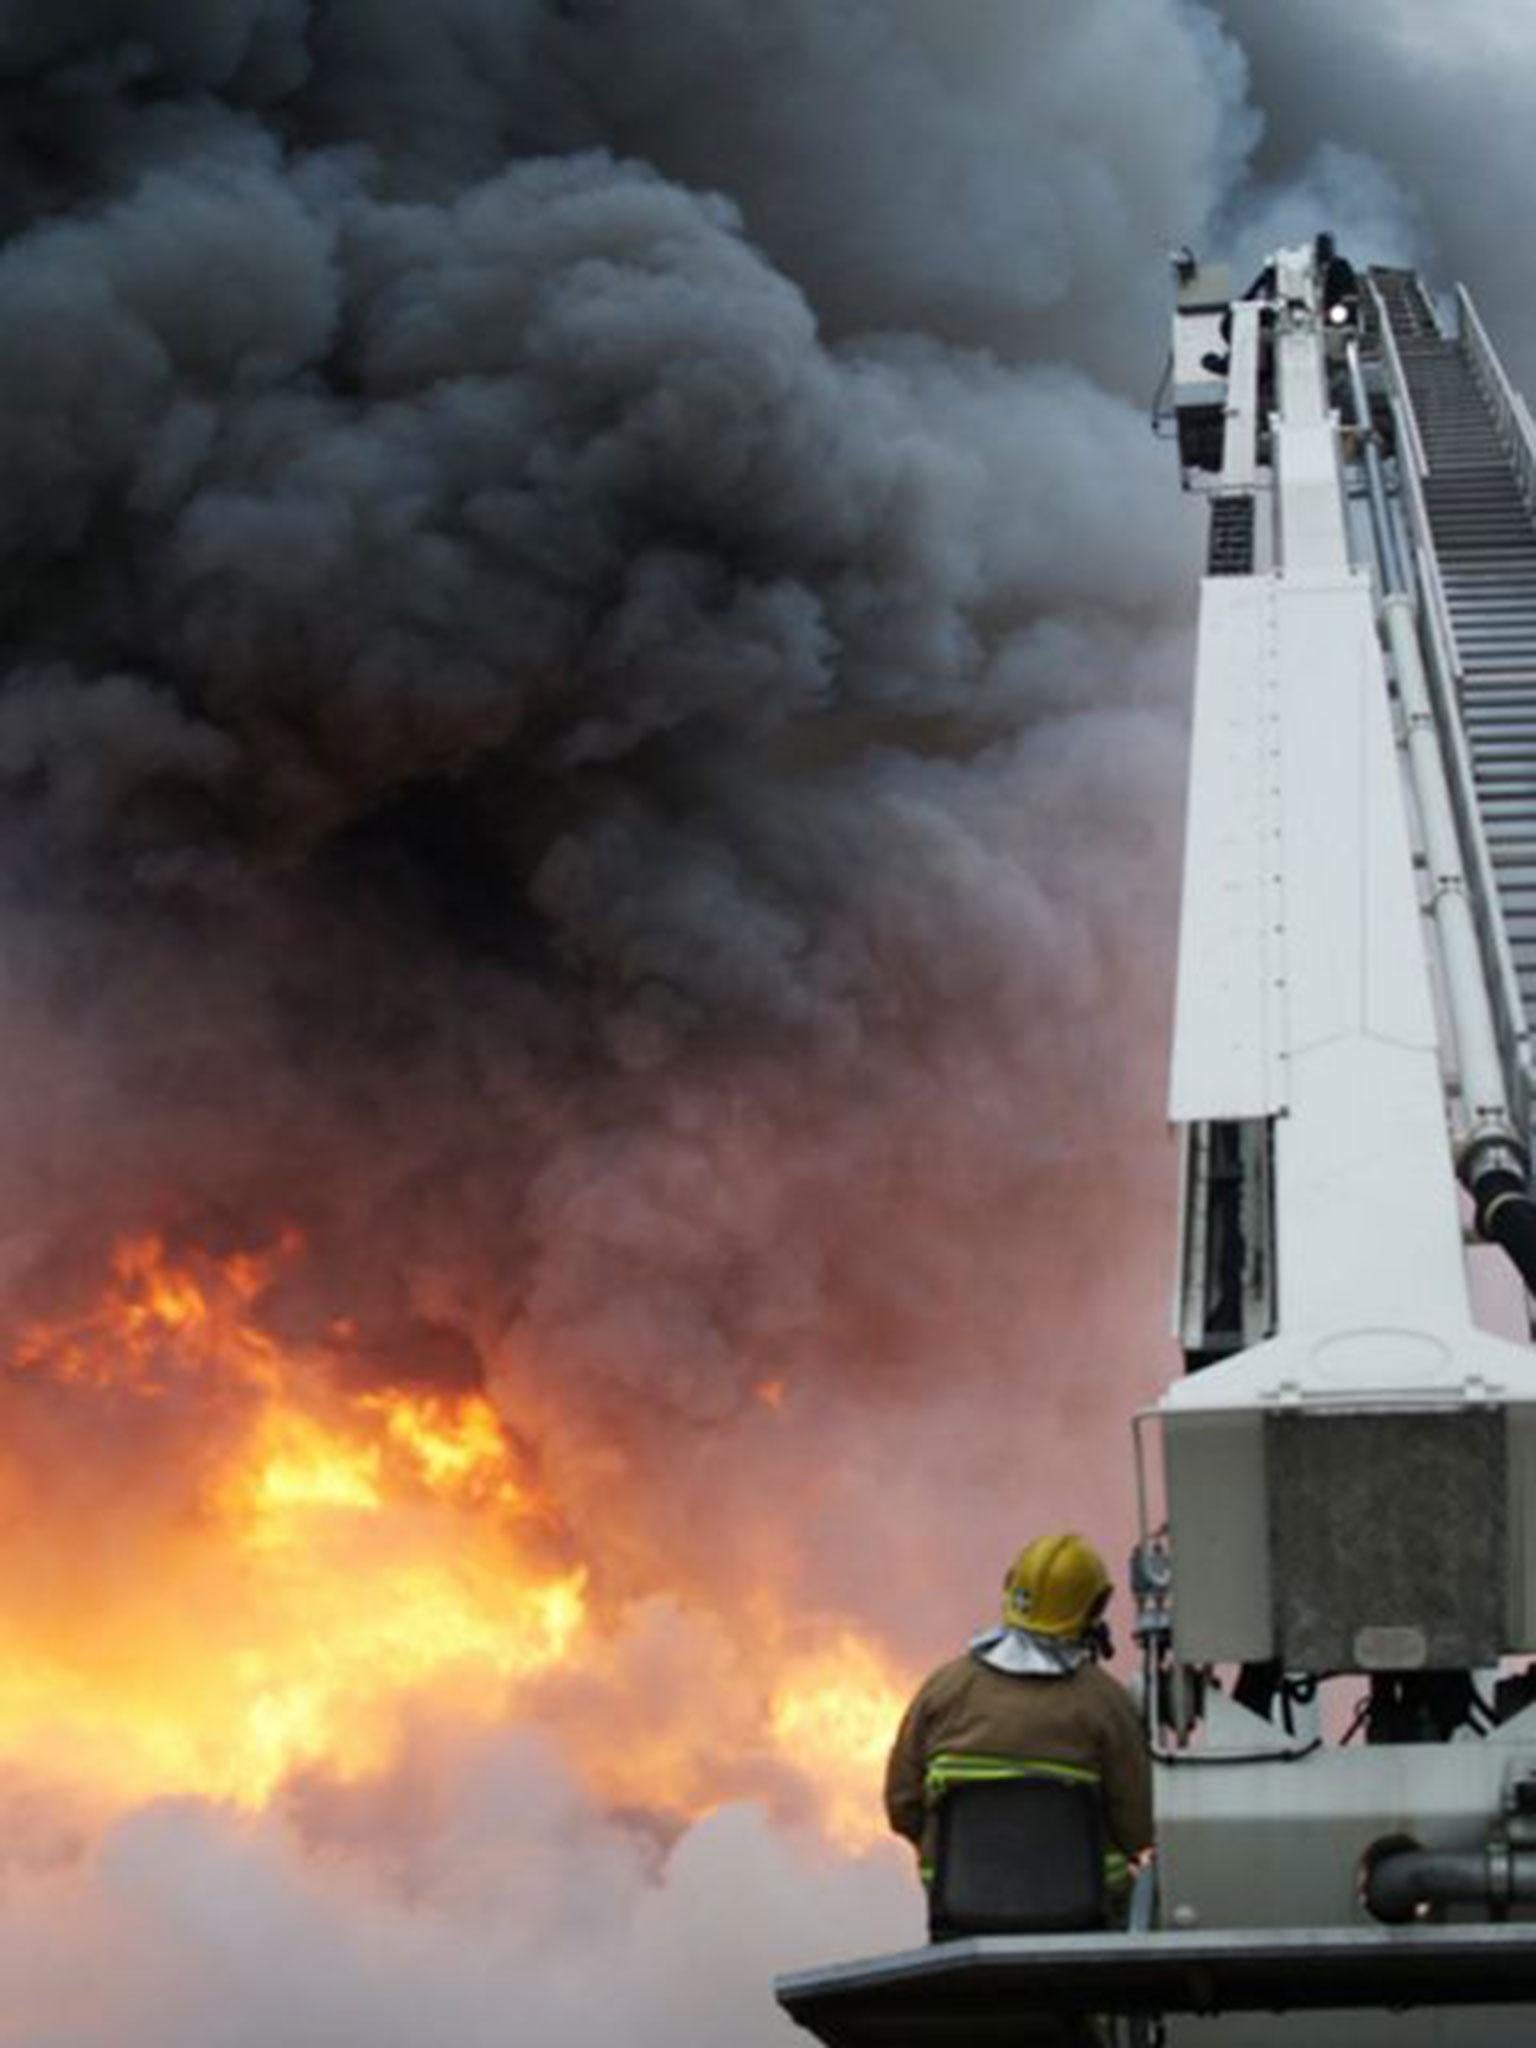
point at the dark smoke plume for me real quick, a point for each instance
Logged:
(582, 764)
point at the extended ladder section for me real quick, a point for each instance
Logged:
(1337, 1497)
(1470, 449)
(1339, 1501)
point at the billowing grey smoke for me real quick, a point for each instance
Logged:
(501, 697)
(1421, 108)
(511, 1911)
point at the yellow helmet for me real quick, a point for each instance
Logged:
(1056, 1586)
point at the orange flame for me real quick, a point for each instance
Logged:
(327, 1555)
(833, 1715)
(244, 1568)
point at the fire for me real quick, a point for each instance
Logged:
(835, 1715)
(324, 1556)
(227, 1561)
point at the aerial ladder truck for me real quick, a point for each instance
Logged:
(1336, 1572)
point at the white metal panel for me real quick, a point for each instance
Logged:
(1371, 1230)
(1363, 1158)
(1355, 962)
(1225, 1050)
(1308, 1821)
(1220, 1537)
(1310, 494)
(1365, 1364)
(1303, 984)
(1195, 336)
(1302, 1827)
(1294, 268)
(1240, 454)
(1310, 507)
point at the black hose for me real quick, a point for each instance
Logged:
(1399, 1884)
(1506, 1216)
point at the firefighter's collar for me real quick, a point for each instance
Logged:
(1022, 1655)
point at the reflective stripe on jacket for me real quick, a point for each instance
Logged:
(956, 1768)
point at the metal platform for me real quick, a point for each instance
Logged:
(999, 1990)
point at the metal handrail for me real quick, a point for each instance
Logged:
(1398, 380)
(1512, 417)
(1443, 669)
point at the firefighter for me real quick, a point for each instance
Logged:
(1341, 286)
(1029, 1696)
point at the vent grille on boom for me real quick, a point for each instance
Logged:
(1230, 549)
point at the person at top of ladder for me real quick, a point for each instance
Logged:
(1340, 285)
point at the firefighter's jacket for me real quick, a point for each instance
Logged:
(970, 1720)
